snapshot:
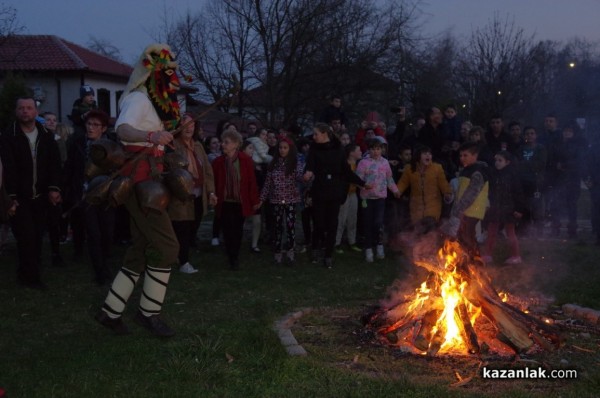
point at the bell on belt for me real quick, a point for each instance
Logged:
(180, 182)
(175, 160)
(107, 154)
(119, 190)
(152, 195)
(97, 192)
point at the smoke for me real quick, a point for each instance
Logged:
(529, 283)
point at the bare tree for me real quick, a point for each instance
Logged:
(288, 53)
(576, 82)
(9, 23)
(104, 47)
(428, 77)
(500, 67)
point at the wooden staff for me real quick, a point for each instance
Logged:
(232, 91)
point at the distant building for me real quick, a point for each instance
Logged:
(55, 69)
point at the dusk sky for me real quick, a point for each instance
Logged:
(128, 24)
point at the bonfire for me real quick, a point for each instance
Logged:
(456, 310)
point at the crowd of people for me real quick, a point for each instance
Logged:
(351, 190)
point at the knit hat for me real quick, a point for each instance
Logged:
(86, 90)
(380, 139)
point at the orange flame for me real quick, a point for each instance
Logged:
(446, 292)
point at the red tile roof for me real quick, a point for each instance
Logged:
(51, 53)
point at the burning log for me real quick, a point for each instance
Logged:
(442, 314)
(437, 341)
(510, 328)
(470, 337)
(427, 324)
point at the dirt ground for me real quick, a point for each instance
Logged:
(337, 336)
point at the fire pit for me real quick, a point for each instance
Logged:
(456, 310)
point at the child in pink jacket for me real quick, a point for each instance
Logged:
(376, 172)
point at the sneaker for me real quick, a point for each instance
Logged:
(278, 258)
(355, 248)
(154, 324)
(302, 249)
(114, 324)
(339, 250)
(487, 259)
(514, 260)
(187, 268)
(328, 262)
(214, 242)
(290, 257)
(255, 250)
(380, 252)
(369, 255)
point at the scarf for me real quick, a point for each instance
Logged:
(194, 164)
(232, 179)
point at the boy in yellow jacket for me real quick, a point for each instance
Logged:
(471, 199)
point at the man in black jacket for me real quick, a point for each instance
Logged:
(32, 171)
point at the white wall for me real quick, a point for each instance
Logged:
(69, 87)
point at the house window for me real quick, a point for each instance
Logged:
(118, 96)
(104, 100)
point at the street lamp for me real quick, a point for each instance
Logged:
(572, 64)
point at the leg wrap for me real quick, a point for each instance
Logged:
(119, 292)
(155, 288)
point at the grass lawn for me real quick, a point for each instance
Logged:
(50, 346)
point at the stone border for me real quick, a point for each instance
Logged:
(283, 329)
(587, 314)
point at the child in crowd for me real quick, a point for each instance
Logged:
(282, 192)
(345, 139)
(304, 207)
(477, 134)
(212, 145)
(506, 207)
(451, 125)
(347, 216)
(471, 200)
(249, 149)
(376, 172)
(428, 186)
(566, 164)
(532, 158)
(397, 216)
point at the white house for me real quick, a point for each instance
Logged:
(55, 69)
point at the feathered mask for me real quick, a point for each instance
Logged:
(155, 73)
